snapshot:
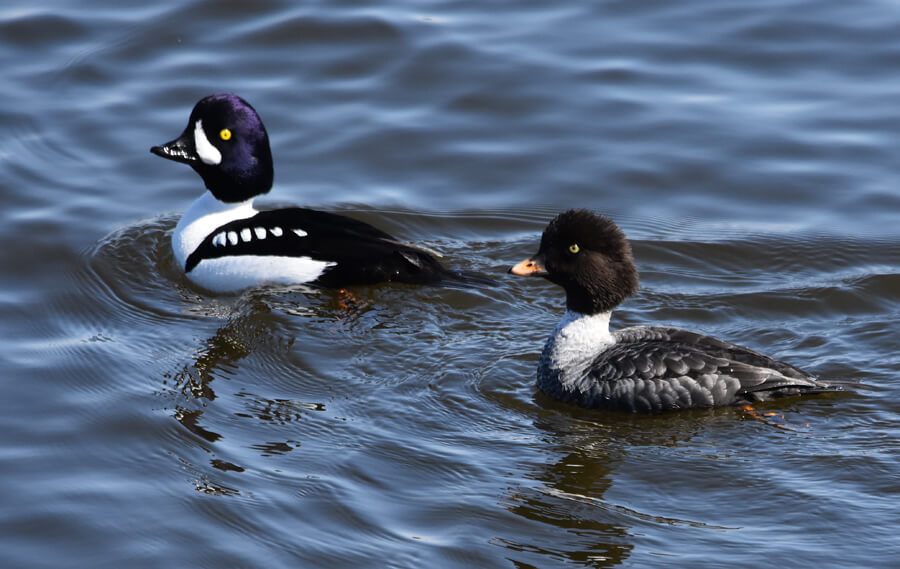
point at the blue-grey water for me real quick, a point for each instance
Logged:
(750, 150)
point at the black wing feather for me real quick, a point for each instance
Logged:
(361, 253)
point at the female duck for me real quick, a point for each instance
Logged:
(641, 368)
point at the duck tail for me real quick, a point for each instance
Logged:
(455, 278)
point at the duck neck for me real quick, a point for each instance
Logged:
(201, 218)
(576, 341)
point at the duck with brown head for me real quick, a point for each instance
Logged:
(640, 368)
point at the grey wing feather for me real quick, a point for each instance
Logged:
(660, 368)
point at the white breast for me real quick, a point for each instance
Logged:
(204, 216)
(573, 346)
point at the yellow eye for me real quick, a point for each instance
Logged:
(225, 134)
(574, 248)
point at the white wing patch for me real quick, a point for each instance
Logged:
(246, 235)
(208, 153)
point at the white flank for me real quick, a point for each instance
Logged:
(208, 153)
(232, 274)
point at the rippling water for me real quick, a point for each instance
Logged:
(748, 149)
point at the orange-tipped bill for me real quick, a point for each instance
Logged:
(528, 267)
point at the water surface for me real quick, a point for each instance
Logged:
(749, 151)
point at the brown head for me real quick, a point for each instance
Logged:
(588, 255)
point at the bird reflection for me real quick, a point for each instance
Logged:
(248, 330)
(567, 499)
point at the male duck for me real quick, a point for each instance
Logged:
(224, 244)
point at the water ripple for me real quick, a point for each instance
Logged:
(745, 148)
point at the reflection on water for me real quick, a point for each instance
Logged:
(590, 528)
(192, 385)
(571, 502)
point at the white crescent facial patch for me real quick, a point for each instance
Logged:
(208, 153)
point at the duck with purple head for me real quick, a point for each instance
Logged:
(225, 245)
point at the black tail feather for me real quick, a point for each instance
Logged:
(467, 279)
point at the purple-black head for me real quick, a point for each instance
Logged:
(226, 143)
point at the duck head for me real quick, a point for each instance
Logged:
(588, 255)
(226, 143)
